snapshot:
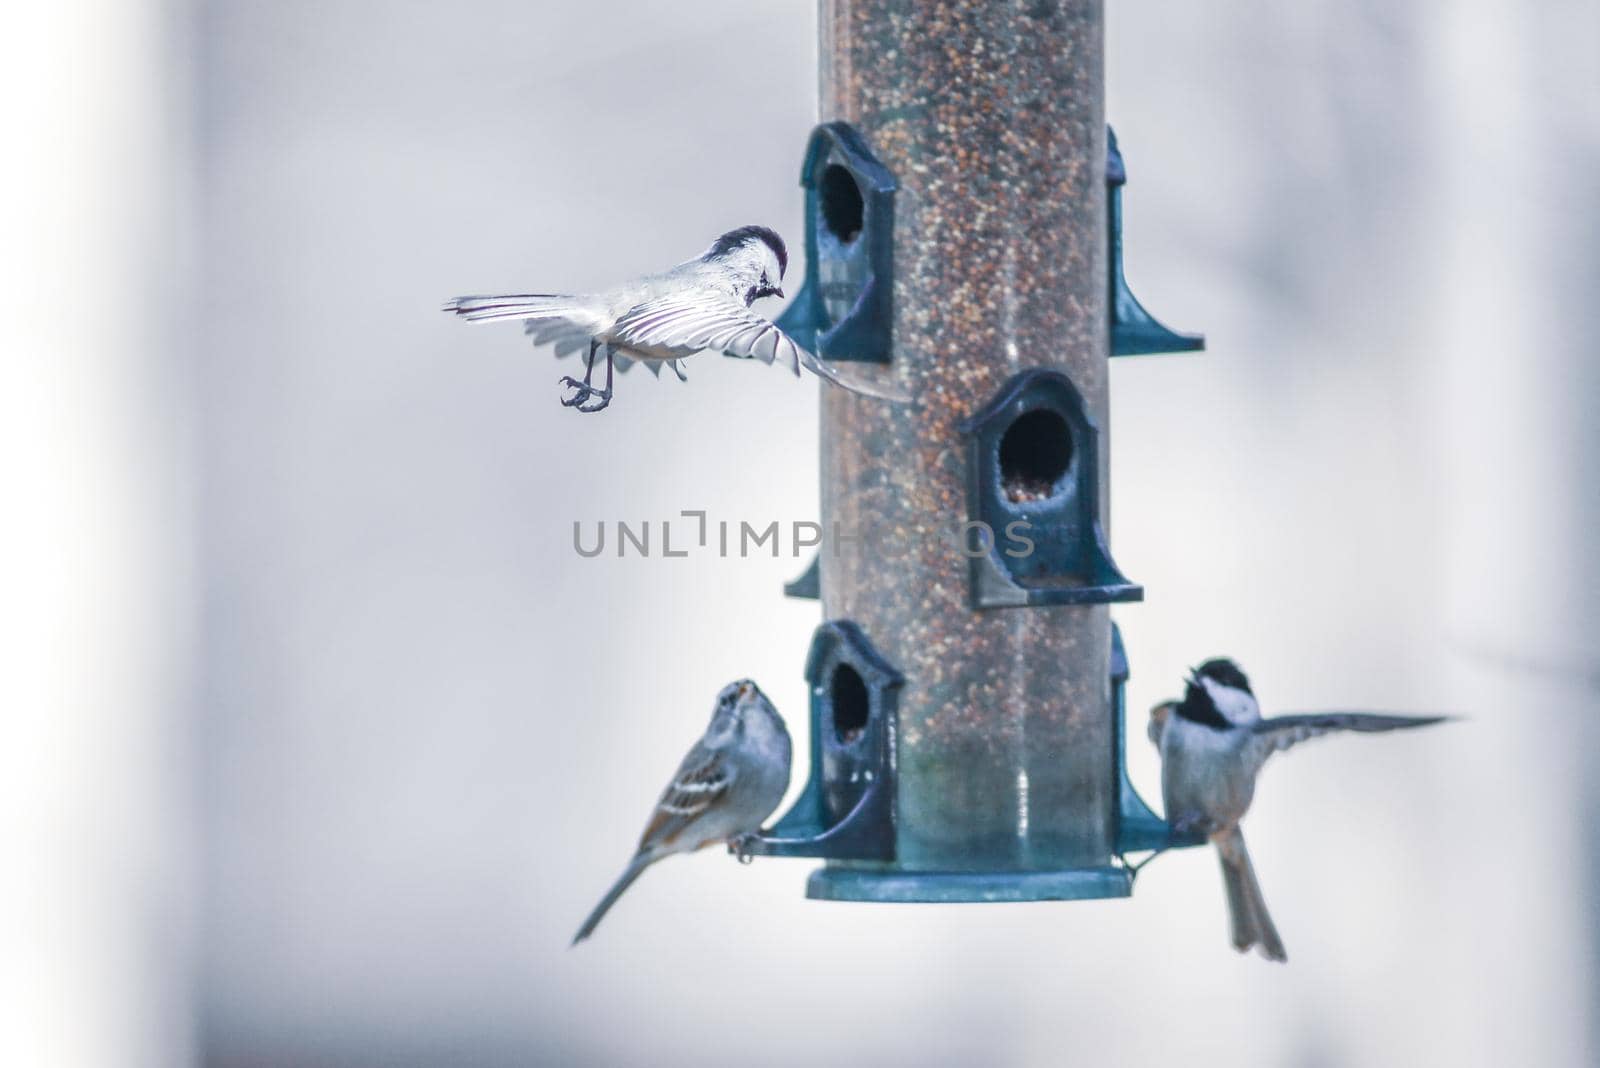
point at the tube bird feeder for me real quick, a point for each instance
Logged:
(966, 743)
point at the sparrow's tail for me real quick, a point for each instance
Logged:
(1252, 926)
(519, 306)
(635, 869)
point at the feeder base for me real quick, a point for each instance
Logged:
(836, 883)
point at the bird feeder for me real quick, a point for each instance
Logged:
(965, 703)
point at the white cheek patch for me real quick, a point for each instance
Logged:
(1236, 706)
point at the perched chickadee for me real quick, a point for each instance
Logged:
(703, 303)
(728, 784)
(1212, 744)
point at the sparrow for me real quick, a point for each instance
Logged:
(729, 783)
(700, 304)
(1212, 744)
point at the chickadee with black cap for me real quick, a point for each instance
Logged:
(1212, 744)
(700, 304)
(730, 782)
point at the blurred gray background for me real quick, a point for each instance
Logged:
(325, 739)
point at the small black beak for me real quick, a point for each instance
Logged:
(777, 291)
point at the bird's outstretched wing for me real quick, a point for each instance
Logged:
(1268, 736)
(691, 322)
(701, 781)
(822, 369)
(566, 335)
(569, 336)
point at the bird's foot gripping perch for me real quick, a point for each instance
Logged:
(584, 391)
(743, 847)
(1135, 869)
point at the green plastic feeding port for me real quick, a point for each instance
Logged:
(807, 586)
(847, 807)
(1033, 500)
(1134, 331)
(844, 308)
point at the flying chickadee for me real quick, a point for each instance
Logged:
(703, 303)
(728, 784)
(1212, 744)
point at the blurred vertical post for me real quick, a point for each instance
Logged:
(991, 117)
(94, 403)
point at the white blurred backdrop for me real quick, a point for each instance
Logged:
(322, 739)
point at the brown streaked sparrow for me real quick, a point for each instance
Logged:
(728, 784)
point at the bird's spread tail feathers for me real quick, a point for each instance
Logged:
(1252, 925)
(635, 868)
(519, 306)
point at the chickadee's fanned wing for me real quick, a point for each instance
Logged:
(690, 322)
(1268, 736)
(701, 782)
(825, 371)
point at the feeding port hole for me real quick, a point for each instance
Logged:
(848, 696)
(1035, 452)
(842, 208)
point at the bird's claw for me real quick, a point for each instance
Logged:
(582, 393)
(743, 848)
(1133, 870)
